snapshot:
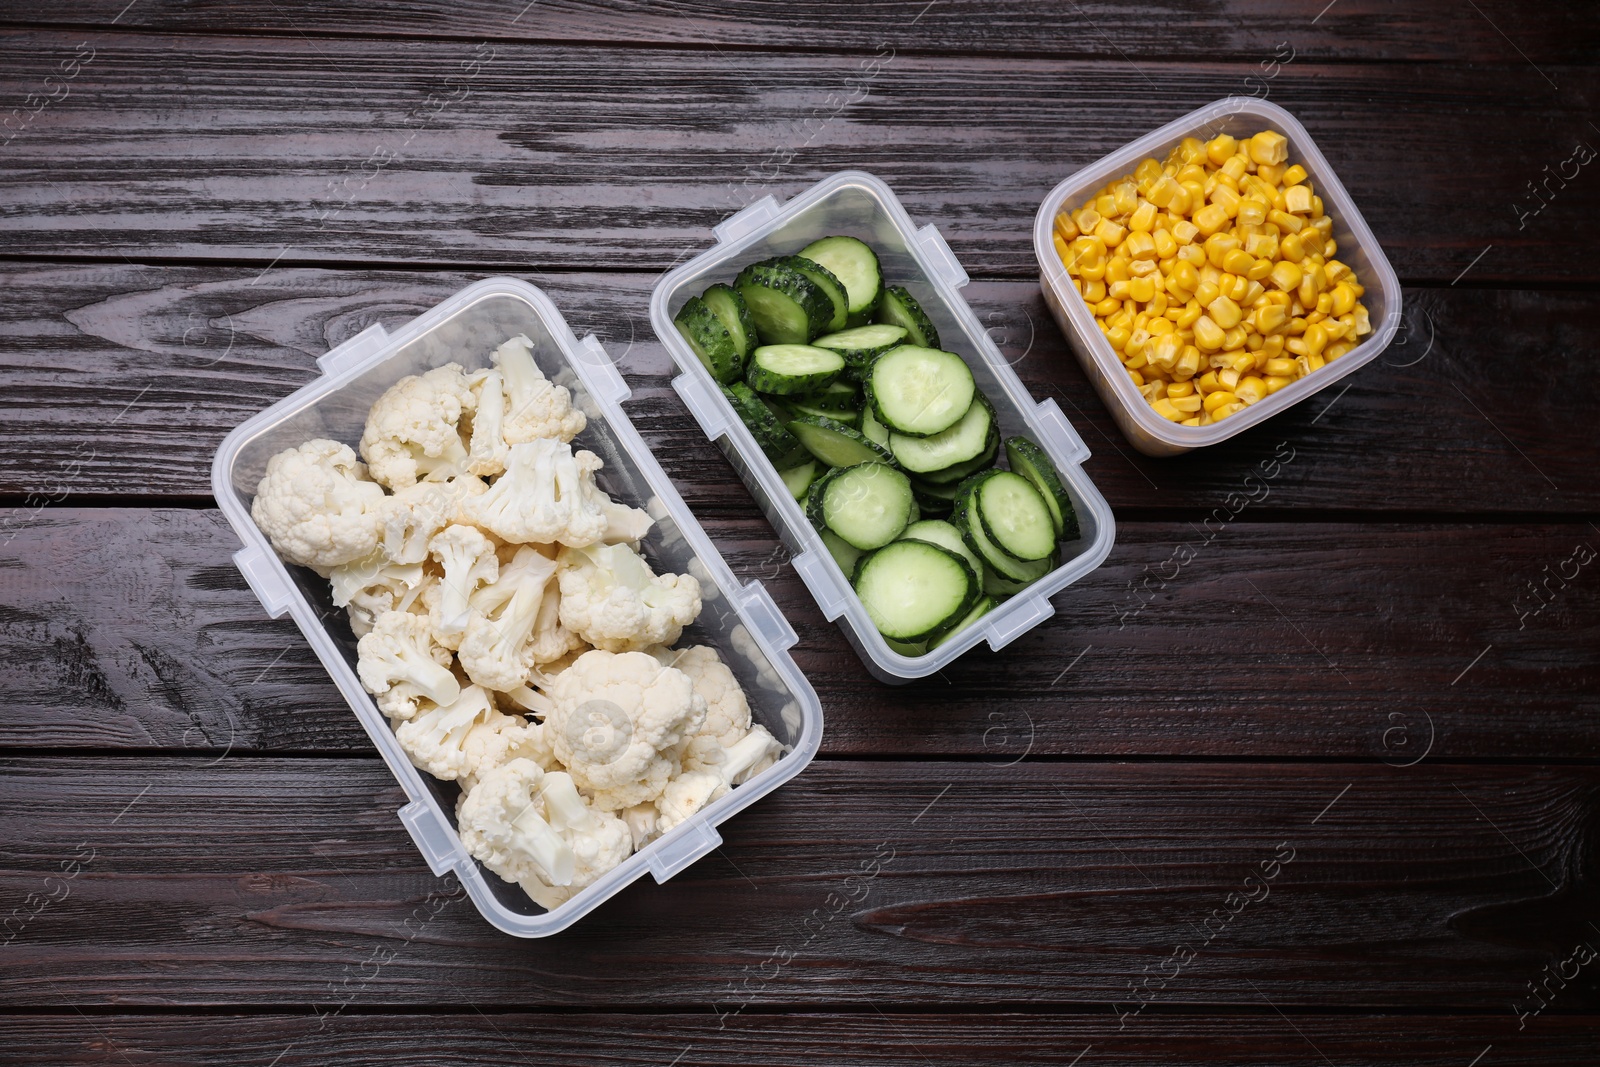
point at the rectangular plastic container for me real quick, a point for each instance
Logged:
(858, 204)
(1241, 116)
(740, 621)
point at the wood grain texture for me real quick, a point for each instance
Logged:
(270, 882)
(866, 1039)
(125, 378)
(435, 152)
(1353, 29)
(1272, 640)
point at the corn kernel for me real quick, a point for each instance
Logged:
(1208, 382)
(1187, 315)
(1324, 303)
(1268, 146)
(1187, 404)
(1344, 298)
(1188, 364)
(1164, 408)
(1226, 198)
(1276, 382)
(1297, 199)
(1126, 197)
(1220, 149)
(1140, 246)
(1184, 231)
(1215, 400)
(1238, 261)
(1142, 290)
(1333, 352)
(1285, 221)
(1270, 318)
(1106, 204)
(1251, 389)
(1138, 379)
(1143, 219)
(1270, 173)
(1109, 306)
(1210, 219)
(1286, 276)
(1110, 232)
(1207, 334)
(1096, 291)
(1234, 167)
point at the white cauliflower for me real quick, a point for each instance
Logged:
(617, 722)
(501, 739)
(413, 430)
(487, 448)
(469, 560)
(497, 648)
(727, 710)
(501, 822)
(599, 839)
(317, 506)
(413, 515)
(400, 663)
(547, 495)
(641, 820)
(535, 408)
(372, 585)
(434, 738)
(694, 789)
(612, 599)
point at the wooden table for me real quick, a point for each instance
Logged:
(1331, 795)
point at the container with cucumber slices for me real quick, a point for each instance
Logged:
(931, 503)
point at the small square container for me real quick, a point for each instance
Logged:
(740, 621)
(1240, 116)
(859, 205)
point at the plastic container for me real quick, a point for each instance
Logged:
(1240, 116)
(740, 621)
(858, 204)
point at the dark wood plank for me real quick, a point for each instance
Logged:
(868, 1039)
(122, 377)
(269, 882)
(130, 628)
(1353, 29)
(580, 157)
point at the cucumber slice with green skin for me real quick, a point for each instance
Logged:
(798, 479)
(996, 586)
(776, 442)
(932, 506)
(872, 429)
(1015, 517)
(710, 339)
(863, 344)
(867, 505)
(839, 395)
(836, 444)
(912, 590)
(899, 308)
(962, 443)
(1030, 461)
(918, 392)
(726, 303)
(788, 370)
(856, 265)
(967, 520)
(798, 407)
(947, 492)
(788, 308)
(843, 552)
(908, 648)
(945, 535)
(985, 604)
(956, 474)
(826, 281)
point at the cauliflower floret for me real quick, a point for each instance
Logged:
(617, 722)
(641, 820)
(469, 560)
(535, 408)
(372, 585)
(727, 710)
(317, 506)
(599, 839)
(413, 515)
(496, 649)
(400, 664)
(547, 495)
(501, 739)
(435, 738)
(487, 448)
(413, 430)
(501, 822)
(611, 599)
(693, 790)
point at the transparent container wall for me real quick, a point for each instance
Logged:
(1240, 117)
(468, 337)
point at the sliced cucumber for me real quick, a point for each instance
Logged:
(854, 264)
(907, 648)
(729, 306)
(961, 443)
(874, 430)
(919, 392)
(776, 442)
(839, 395)
(826, 281)
(798, 479)
(785, 370)
(945, 535)
(932, 506)
(937, 490)
(867, 505)
(788, 308)
(710, 339)
(913, 589)
(954, 475)
(985, 604)
(800, 405)
(899, 308)
(1014, 516)
(836, 444)
(1030, 461)
(843, 552)
(969, 522)
(863, 344)
(998, 586)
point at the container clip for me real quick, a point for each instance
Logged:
(766, 618)
(432, 835)
(1029, 614)
(819, 579)
(938, 253)
(706, 411)
(265, 579)
(354, 352)
(685, 845)
(605, 381)
(1060, 432)
(747, 220)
